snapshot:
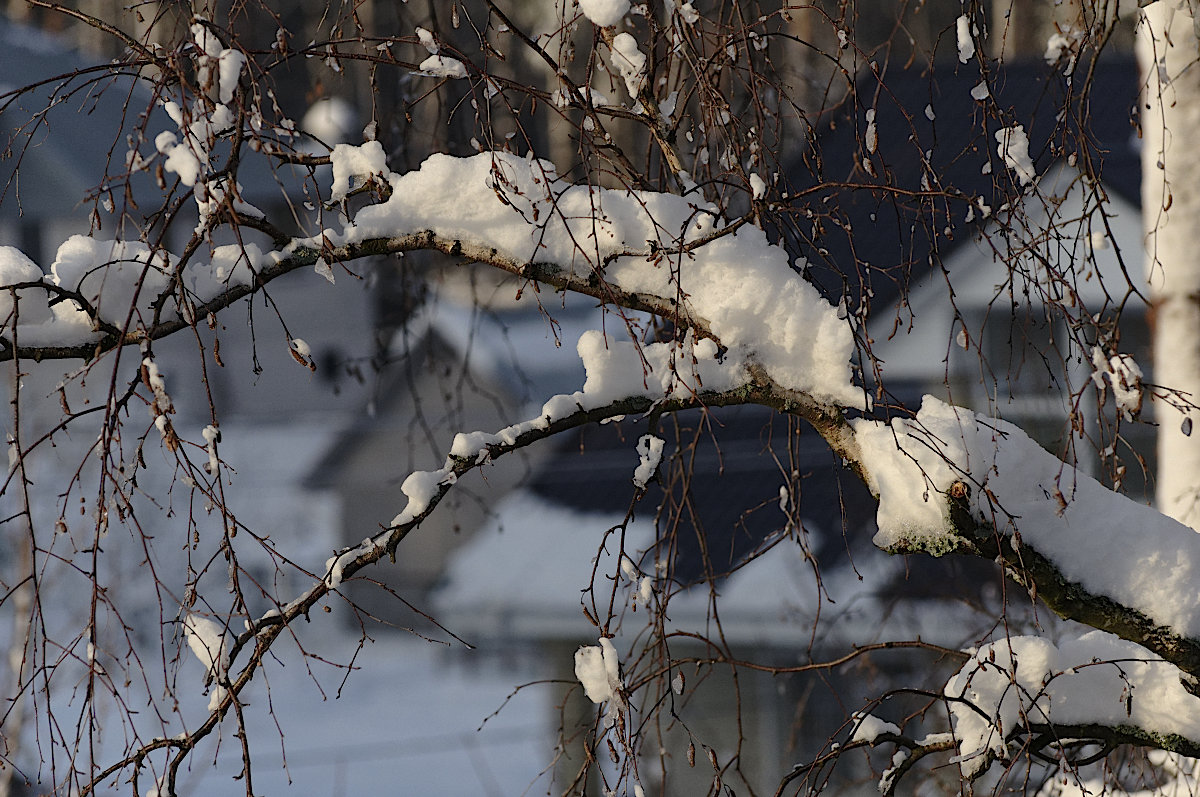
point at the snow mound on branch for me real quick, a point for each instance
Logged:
(16, 268)
(598, 668)
(616, 370)
(740, 283)
(112, 275)
(604, 13)
(676, 249)
(1012, 144)
(1093, 679)
(1107, 543)
(442, 66)
(357, 163)
(630, 62)
(869, 728)
(207, 642)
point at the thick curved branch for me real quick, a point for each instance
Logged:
(305, 256)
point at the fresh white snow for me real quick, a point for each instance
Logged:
(650, 451)
(1092, 678)
(1012, 144)
(966, 44)
(1108, 543)
(604, 13)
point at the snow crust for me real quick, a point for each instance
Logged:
(1095, 678)
(1107, 543)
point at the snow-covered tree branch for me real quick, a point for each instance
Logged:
(702, 218)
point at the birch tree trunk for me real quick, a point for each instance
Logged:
(1170, 116)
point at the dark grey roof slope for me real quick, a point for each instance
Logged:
(861, 230)
(727, 507)
(50, 160)
(66, 122)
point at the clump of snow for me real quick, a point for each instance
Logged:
(645, 593)
(211, 436)
(1084, 529)
(650, 451)
(871, 139)
(604, 13)
(758, 186)
(630, 62)
(162, 402)
(742, 285)
(355, 163)
(980, 91)
(564, 99)
(325, 270)
(207, 641)
(1062, 43)
(1095, 678)
(110, 274)
(1174, 775)
(1125, 377)
(689, 13)
(31, 303)
(868, 728)
(667, 108)
(228, 266)
(966, 44)
(427, 41)
(614, 371)
(230, 64)
(335, 566)
(442, 66)
(1012, 144)
(218, 68)
(421, 487)
(598, 669)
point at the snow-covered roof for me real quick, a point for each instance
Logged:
(69, 162)
(1095, 262)
(529, 352)
(522, 577)
(936, 154)
(69, 150)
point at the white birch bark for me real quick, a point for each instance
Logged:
(1170, 120)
